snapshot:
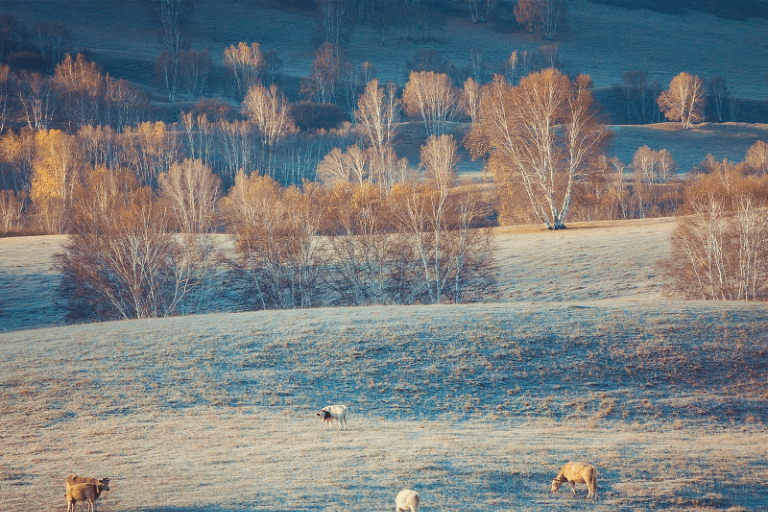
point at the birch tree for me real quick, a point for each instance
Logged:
(470, 99)
(757, 157)
(277, 239)
(12, 207)
(51, 40)
(17, 155)
(368, 267)
(528, 14)
(479, 10)
(57, 165)
(268, 110)
(431, 97)
(81, 87)
(191, 191)
(718, 89)
(439, 159)
(541, 134)
(126, 105)
(236, 143)
(5, 88)
(684, 101)
(545, 16)
(150, 149)
(720, 244)
(200, 137)
(37, 96)
(324, 83)
(377, 113)
(245, 64)
(122, 259)
(332, 12)
(350, 166)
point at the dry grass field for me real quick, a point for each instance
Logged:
(580, 357)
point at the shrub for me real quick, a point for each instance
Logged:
(317, 116)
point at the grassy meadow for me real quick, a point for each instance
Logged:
(579, 355)
(475, 406)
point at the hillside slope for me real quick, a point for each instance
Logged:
(589, 261)
(475, 406)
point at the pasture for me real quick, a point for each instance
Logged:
(475, 406)
(578, 356)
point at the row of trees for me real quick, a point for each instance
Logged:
(44, 166)
(562, 162)
(419, 20)
(40, 45)
(315, 245)
(689, 99)
(75, 95)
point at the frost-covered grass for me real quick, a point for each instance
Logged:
(579, 356)
(475, 406)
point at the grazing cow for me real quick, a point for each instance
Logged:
(83, 492)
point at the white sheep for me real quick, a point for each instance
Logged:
(577, 473)
(334, 412)
(83, 492)
(407, 500)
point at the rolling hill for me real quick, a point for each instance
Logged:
(476, 406)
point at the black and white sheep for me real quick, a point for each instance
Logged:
(577, 473)
(334, 412)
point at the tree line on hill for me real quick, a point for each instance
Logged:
(138, 197)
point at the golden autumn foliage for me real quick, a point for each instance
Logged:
(191, 191)
(278, 232)
(431, 97)
(540, 136)
(122, 259)
(684, 101)
(56, 166)
(720, 244)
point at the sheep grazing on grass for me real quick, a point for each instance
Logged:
(577, 473)
(75, 479)
(407, 500)
(334, 412)
(83, 492)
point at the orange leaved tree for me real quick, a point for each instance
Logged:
(684, 101)
(540, 135)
